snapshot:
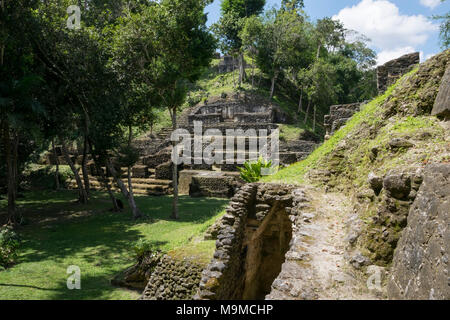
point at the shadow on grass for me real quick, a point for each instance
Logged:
(192, 210)
(25, 286)
(93, 287)
(61, 233)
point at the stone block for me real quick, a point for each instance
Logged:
(442, 104)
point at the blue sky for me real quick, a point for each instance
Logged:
(395, 27)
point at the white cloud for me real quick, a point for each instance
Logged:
(430, 3)
(392, 33)
(388, 55)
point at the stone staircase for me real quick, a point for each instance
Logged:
(152, 174)
(142, 185)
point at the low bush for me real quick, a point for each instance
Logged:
(9, 247)
(143, 247)
(252, 171)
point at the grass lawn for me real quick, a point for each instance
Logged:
(61, 233)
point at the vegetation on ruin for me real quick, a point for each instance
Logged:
(364, 146)
(369, 114)
(253, 171)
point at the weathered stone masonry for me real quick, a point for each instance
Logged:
(388, 73)
(252, 243)
(421, 262)
(339, 115)
(173, 279)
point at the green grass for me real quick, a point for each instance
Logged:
(290, 132)
(295, 174)
(43, 176)
(61, 233)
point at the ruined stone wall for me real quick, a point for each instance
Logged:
(388, 73)
(173, 280)
(421, 262)
(391, 197)
(338, 117)
(441, 106)
(227, 64)
(251, 245)
(237, 111)
(214, 184)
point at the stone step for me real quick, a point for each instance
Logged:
(141, 181)
(140, 186)
(141, 192)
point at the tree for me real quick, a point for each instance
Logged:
(321, 89)
(163, 46)
(21, 114)
(89, 108)
(444, 28)
(231, 23)
(329, 35)
(277, 38)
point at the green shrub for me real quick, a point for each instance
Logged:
(143, 247)
(195, 98)
(9, 247)
(252, 171)
(41, 177)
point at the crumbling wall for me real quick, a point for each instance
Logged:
(388, 73)
(421, 261)
(214, 184)
(250, 111)
(228, 64)
(441, 106)
(251, 245)
(173, 279)
(339, 115)
(391, 198)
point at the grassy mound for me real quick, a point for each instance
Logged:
(403, 111)
(394, 133)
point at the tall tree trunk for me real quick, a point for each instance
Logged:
(87, 184)
(272, 87)
(300, 101)
(234, 75)
(307, 111)
(56, 164)
(103, 178)
(253, 75)
(16, 163)
(12, 219)
(16, 172)
(134, 209)
(318, 50)
(241, 69)
(136, 213)
(174, 172)
(83, 197)
(107, 186)
(314, 121)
